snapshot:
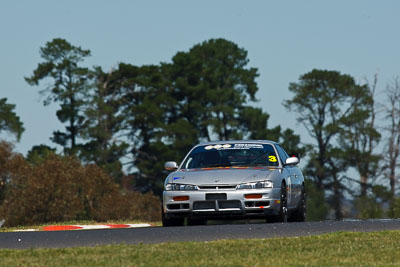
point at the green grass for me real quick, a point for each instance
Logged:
(338, 249)
(38, 227)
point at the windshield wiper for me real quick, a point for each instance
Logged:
(253, 164)
(217, 165)
(258, 164)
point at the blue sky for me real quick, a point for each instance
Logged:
(284, 40)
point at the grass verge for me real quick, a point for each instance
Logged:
(337, 249)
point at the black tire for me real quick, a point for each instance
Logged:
(196, 221)
(166, 222)
(282, 216)
(300, 214)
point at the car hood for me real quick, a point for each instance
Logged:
(227, 176)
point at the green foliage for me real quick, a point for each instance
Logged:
(68, 86)
(61, 189)
(103, 123)
(292, 143)
(9, 121)
(254, 122)
(213, 84)
(368, 208)
(149, 123)
(392, 149)
(327, 103)
(39, 153)
(395, 208)
(376, 203)
(359, 138)
(317, 208)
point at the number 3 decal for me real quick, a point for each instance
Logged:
(272, 159)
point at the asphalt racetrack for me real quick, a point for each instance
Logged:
(60, 239)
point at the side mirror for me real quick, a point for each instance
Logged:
(297, 155)
(292, 161)
(171, 166)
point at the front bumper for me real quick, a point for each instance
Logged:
(222, 203)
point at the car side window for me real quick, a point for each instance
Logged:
(282, 154)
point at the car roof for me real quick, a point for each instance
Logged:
(238, 142)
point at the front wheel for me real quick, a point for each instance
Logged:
(282, 216)
(299, 215)
(166, 222)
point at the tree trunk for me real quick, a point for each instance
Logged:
(364, 185)
(72, 123)
(392, 185)
(337, 205)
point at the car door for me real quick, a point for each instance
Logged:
(290, 176)
(296, 181)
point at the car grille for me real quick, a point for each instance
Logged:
(217, 187)
(222, 205)
(204, 205)
(229, 204)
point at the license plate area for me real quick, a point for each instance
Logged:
(216, 196)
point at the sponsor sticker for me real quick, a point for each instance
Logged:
(248, 146)
(234, 146)
(225, 146)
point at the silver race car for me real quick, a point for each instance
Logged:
(232, 180)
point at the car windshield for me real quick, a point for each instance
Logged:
(230, 155)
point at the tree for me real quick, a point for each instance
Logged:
(254, 125)
(9, 121)
(9, 162)
(392, 112)
(39, 153)
(104, 122)
(372, 205)
(152, 123)
(212, 84)
(68, 86)
(317, 209)
(359, 137)
(324, 100)
(213, 87)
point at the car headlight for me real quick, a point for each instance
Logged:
(256, 185)
(180, 187)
